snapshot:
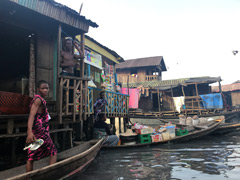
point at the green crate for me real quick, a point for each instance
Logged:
(144, 138)
(182, 132)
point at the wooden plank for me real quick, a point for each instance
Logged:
(80, 100)
(74, 101)
(25, 134)
(67, 96)
(10, 126)
(60, 92)
(85, 99)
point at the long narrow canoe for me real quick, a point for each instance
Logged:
(227, 128)
(70, 162)
(222, 128)
(196, 132)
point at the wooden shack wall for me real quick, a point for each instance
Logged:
(141, 74)
(123, 75)
(167, 103)
(235, 98)
(45, 60)
(145, 103)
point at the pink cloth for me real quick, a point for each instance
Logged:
(134, 96)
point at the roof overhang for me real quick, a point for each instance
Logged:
(56, 11)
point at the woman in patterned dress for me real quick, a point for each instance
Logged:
(38, 128)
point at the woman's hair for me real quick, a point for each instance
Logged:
(41, 82)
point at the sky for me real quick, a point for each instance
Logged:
(195, 37)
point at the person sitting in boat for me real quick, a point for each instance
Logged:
(102, 130)
(38, 128)
(99, 105)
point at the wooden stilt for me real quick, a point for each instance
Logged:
(120, 124)
(60, 92)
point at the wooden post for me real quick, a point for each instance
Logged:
(183, 91)
(184, 98)
(60, 92)
(119, 122)
(158, 94)
(74, 100)
(173, 101)
(32, 69)
(128, 84)
(82, 48)
(125, 120)
(220, 87)
(10, 126)
(112, 121)
(197, 94)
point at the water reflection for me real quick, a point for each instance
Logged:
(214, 157)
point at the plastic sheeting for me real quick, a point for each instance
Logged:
(212, 101)
(134, 96)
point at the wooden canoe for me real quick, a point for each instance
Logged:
(227, 128)
(197, 132)
(70, 162)
(221, 129)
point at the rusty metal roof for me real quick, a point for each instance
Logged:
(227, 87)
(58, 12)
(168, 84)
(143, 62)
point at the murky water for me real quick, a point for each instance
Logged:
(214, 157)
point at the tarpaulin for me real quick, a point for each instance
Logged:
(134, 96)
(212, 101)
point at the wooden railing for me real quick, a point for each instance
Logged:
(117, 103)
(152, 78)
(73, 95)
(133, 79)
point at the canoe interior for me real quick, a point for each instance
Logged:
(44, 162)
(198, 131)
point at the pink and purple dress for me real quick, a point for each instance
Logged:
(41, 131)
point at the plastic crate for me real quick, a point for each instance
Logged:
(182, 132)
(156, 137)
(144, 131)
(144, 138)
(14, 103)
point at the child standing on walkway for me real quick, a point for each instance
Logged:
(38, 128)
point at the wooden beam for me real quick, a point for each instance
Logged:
(60, 92)
(32, 69)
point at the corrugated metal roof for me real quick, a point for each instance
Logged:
(120, 59)
(168, 84)
(58, 12)
(227, 87)
(143, 62)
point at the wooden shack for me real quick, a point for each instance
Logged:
(231, 94)
(157, 97)
(32, 35)
(141, 70)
